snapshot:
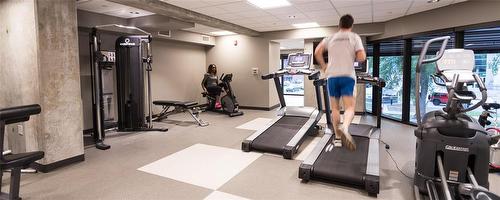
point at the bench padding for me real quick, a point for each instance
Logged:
(184, 104)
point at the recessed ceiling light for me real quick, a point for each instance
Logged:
(306, 25)
(432, 1)
(267, 4)
(221, 33)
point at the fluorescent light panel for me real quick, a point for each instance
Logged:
(268, 4)
(306, 25)
(221, 33)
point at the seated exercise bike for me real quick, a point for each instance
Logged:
(452, 149)
(229, 104)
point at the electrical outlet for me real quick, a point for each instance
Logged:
(20, 129)
(255, 71)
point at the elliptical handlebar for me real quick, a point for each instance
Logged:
(422, 61)
(484, 94)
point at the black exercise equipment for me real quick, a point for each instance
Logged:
(190, 107)
(18, 161)
(452, 149)
(229, 104)
(359, 168)
(132, 58)
(285, 134)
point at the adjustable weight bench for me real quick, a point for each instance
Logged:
(16, 161)
(190, 107)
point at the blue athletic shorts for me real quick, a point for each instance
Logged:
(341, 86)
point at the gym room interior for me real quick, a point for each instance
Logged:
(248, 99)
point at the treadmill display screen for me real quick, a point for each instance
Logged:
(360, 67)
(299, 61)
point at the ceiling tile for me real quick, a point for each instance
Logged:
(295, 2)
(322, 14)
(350, 3)
(188, 4)
(241, 6)
(353, 10)
(283, 10)
(399, 6)
(291, 16)
(218, 2)
(254, 14)
(314, 6)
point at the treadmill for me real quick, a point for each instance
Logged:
(285, 134)
(359, 168)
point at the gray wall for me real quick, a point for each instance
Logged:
(178, 70)
(39, 64)
(462, 14)
(250, 52)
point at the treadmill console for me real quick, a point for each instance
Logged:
(366, 78)
(299, 61)
(361, 67)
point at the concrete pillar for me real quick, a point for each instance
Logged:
(39, 64)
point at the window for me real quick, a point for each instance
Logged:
(391, 70)
(432, 97)
(486, 45)
(369, 88)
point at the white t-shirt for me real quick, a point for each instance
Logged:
(342, 47)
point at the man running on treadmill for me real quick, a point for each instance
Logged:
(344, 47)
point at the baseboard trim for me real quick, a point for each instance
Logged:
(260, 108)
(53, 166)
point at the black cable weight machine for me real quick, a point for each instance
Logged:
(132, 59)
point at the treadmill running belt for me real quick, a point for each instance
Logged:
(279, 134)
(343, 165)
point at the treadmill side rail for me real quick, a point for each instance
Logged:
(313, 156)
(372, 165)
(247, 142)
(293, 145)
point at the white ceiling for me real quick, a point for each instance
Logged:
(324, 12)
(240, 12)
(110, 8)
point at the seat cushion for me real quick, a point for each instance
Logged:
(165, 103)
(185, 104)
(20, 159)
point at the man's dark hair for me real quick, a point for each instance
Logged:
(346, 21)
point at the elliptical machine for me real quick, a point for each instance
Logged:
(452, 149)
(229, 104)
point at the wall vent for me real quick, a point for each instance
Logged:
(165, 33)
(205, 38)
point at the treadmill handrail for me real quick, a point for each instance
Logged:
(308, 72)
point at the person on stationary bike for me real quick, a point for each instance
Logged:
(344, 47)
(211, 84)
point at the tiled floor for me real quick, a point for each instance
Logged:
(191, 162)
